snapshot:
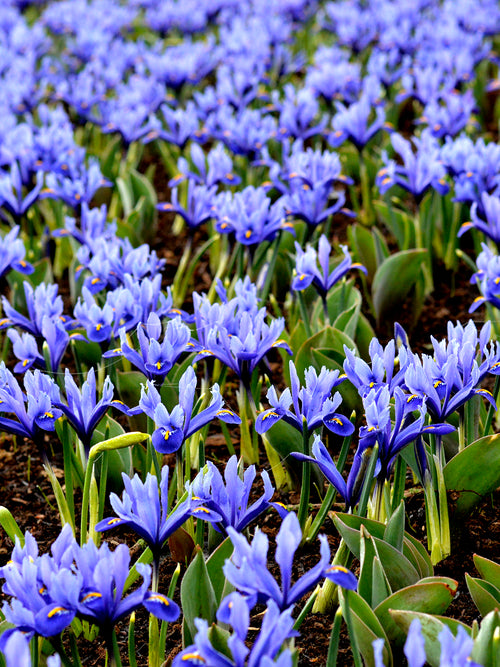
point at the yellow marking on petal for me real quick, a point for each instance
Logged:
(338, 133)
(410, 398)
(495, 365)
(5, 321)
(248, 234)
(47, 191)
(49, 415)
(25, 362)
(78, 196)
(271, 413)
(336, 420)
(437, 127)
(229, 176)
(22, 263)
(167, 435)
(42, 590)
(158, 597)
(442, 181)
(111, 522)
(484, 391)
(201, 509)
(159, 365)
(293, 175)
(94, 281)
(469, 174)
(89, 596)
(386, 180)
(225, 411)
(338, 568)
(497, 280)
(372, 384)
(371, 428)
(438, 383)
(224, 225)
(98, 327)
(302, 276)
(305, 186)
(193, 656)
(280, 341)
(176, 311)
(55, 611)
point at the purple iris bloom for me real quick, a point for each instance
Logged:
(298, 112)
(307, 271)
(25, 349)
(488, 221)
(350, 490)
(12, 253)
(200, 204)
(11, 192)
(250, 215)
(311, 205)
(40, 413)
(225, 502)
(383, 370)
(212, 168)
(120, 310)
(487, 277)
(172, 428)
(104, 574)
(41, 302)
(393, 437)
(236, 331)
(155, 359)
(419, 172)
(144, 508)
(313, 404)
(448, 382)
(83, 411)
(44, 590)
(247, 569)
(352, 123)
(277, 626)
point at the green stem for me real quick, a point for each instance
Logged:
(270, 269)
(491, 409)
(131, 641)
(304, 315)
(346, 610)
(333, 646)
(306, 478)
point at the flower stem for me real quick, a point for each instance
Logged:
(306, 479)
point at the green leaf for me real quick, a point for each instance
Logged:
(488, 570)
(363, 336)
(430, 597)
(484, 651)
(431, 627)
(362, 245)
(486, 596)
(380, 585)
(394, 279)
(473, 472)
(197, 597)
(395, 529)
(329, 339)
(398, 222)
(9, 524)
(214, 567)
(367, 554)
(399, 569)
(366, 627)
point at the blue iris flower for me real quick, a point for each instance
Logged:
(248, 572)
(40, 413)
(144, 508)
(277, 626)
(12, 253)
(83, 411)
(488, 221)
(155, 358)
(385, 369)
(350, 490)
(393, 437)
(104, 574)
(172, 428)
(41, 302)
(313, 404)
(225, 502)
(307, 271)
(352, 123)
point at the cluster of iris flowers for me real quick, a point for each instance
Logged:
(268, 138)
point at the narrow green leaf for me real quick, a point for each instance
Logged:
(197, 597)
(214, 567)
(395, 529)
(486, 596)
(488, 570)
(483, 651)
(9, 524)
(380, 585)
(367, 628)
